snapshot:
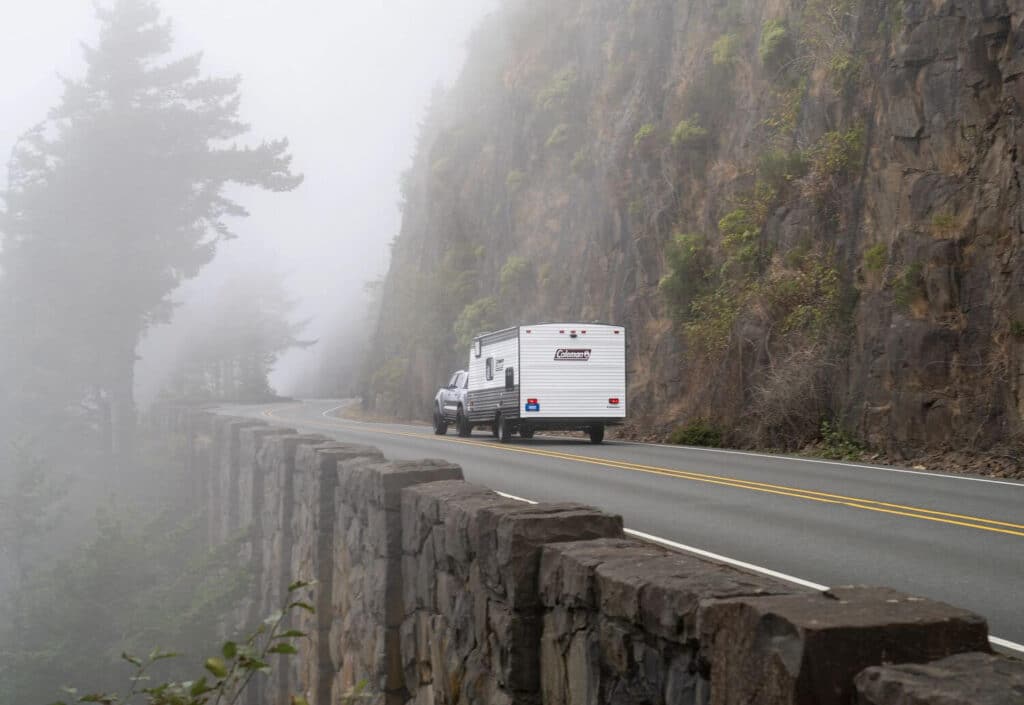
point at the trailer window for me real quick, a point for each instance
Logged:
(490, 368)
(510, 377)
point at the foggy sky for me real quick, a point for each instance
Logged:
(346, 81)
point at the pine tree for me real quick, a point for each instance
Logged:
(113, 200)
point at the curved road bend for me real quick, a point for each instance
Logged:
(951, 538)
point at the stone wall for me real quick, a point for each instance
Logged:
(429, 589)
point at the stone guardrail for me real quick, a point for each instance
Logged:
(435, 590)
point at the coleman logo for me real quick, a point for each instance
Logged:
(580, 354)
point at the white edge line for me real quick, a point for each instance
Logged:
(994, 640)
(939, 475)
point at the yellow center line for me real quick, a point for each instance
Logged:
(963, 520)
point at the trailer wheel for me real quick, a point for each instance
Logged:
(440, 425)
(504, 430)
(596, 433)
(462, 426)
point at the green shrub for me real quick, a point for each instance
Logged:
(645, 133)
(943, 224)
(558, 136)
(835, 151)
(909, 286)
(837, 445)
(741, 237)
(689, 133)
(713, 317)
(514, 180)
(558, 89)
(844, 69)
(725, 50)
(779, 167)
(515, 275)
(774, 44)
(581, 163)
(686, 259)
(697, 433)
(477, 317)
(875, 257)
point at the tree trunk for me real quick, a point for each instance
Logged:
(122, 408)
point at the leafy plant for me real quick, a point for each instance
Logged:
(475, 318)
(837, 445)
(909, 286)
(697, 433)
(740, 240)
(689, 133)
(645, 132)
(834, 152)
(558, 136)
(557, 91)
(227, 675)
(876, 256)
(687, 260)
(943, 224)
(725, 50)
(774, 43)
(514, 180)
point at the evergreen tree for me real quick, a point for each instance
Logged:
(113, 200)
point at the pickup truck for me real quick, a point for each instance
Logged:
(450, 405)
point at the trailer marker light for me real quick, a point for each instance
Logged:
(561, 331)
(613, 401)
(616, 332)
(532, 405)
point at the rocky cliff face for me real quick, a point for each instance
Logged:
(803, 210)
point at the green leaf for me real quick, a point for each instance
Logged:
(131, 659)
(290, 634)
(198, 688)
(282, 649)
(299, 700)
(216, 666)
(299, 584)
(229, 649)
(98, 698)
(303, 606)
(158, 655)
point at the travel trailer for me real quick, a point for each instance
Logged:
(556, 376)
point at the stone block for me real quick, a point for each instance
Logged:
(807, 648)
(964, 679)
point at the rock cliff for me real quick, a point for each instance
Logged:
(803, 210)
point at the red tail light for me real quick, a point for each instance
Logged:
(531, 401)
(613, 401)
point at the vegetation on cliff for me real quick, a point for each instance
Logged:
(806, 215)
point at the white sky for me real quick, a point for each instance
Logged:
(345, 80)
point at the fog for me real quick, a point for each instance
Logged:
(347, 83)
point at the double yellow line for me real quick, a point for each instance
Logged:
(871, 505)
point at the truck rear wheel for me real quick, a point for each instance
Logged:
(504, 430)
(597, 434)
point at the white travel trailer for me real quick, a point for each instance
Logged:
(560, 376)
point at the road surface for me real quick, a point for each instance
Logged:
(951, 538)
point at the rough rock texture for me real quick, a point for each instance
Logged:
(473, 615)
(965, 679)
(365, 602)
(878, 158)
(806, 649)
(621, 621)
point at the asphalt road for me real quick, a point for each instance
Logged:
(951, 538)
